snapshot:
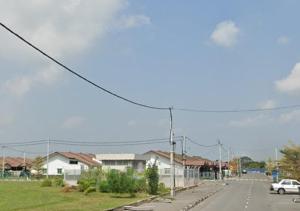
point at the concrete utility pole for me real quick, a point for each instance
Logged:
(277, 166)
(172, 151)
(220, 160)
(3, 161)
(48, 149)
(24, 160)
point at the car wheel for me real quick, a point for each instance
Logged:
(281, 191)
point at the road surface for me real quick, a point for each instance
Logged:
(250, 193)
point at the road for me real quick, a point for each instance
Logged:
(251, 193)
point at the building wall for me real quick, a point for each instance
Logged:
(122, 165)
(60, 162)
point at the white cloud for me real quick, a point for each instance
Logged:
(269, 104)
(283, 40)
(247, 122)
(290, 117)
(73, 122)
(134, 21)
(19, 86)
(61, 28)
(291, 83)
(225, 34)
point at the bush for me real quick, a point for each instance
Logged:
(141, 185)
(121, 182)
(46, 183)
(68, 188)
(104, 187)
(89, 178)
(152, 179)
(89, 190)
(59, 182)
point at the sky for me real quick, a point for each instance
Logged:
(201, 55)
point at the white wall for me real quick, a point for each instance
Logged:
(60, 162)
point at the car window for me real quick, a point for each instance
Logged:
(286, 182)
(295, 183)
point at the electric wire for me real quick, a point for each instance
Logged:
(296, 106)
(79, 75)
(201, 145)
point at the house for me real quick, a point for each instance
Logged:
(14, 165)
(122, 161)
(162, 161)
(61, 162)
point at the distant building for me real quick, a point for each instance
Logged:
(14, 165)
(59, 162)
(122, 161)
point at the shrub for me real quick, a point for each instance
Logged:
(46, 183)
(89, 190)
(141, 185)
(68, 188)
(59, 182)
(104, 187)
(121, 182)
(152, 178)
(89, 178)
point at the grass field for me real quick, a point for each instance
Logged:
(30, 196)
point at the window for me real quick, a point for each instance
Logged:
(59, 171)
(44, 170)
(167, 171)
(286, 182)
(74, 162)
(295, 183)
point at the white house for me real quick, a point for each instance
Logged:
(122, 161)
(162, 160)
(60, 162)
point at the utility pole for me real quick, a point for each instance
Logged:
(24, 160)
(48, 149)
(3, 161)
(277, 167)
(172, 151)
(228, 160)
(220, 160)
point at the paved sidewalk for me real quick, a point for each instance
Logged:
(185, 199)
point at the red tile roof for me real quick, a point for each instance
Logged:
(15, 161)
(85, 158)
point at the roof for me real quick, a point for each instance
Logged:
(120, 156)
(165, 155)
(15, 161)
(189, 160)
(86, 158)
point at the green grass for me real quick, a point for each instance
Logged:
(31, 196)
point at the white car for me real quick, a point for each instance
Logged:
(286, 186)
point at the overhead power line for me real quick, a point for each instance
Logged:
(296, 106)
(79, 75)
(201, 145)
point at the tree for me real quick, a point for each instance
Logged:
(37, 165)
(290, 162)
(270, 165)
(152, 178)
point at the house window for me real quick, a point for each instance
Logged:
(59, 171)
(44, 170)
(167, 171)
(74, 162)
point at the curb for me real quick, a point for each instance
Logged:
(192, 205)
(149, 199)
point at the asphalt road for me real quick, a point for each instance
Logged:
(251, 193)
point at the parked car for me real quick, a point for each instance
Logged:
(244, 171)
(286, 186)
